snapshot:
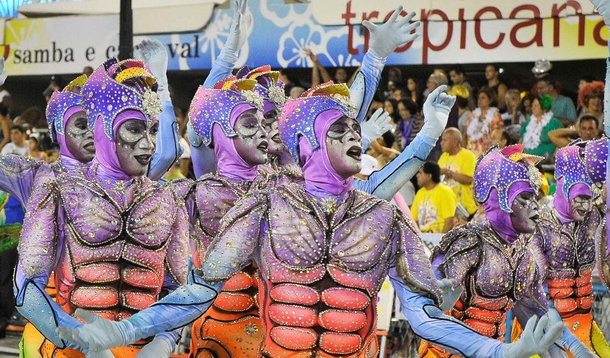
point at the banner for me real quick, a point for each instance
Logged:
(473, 31)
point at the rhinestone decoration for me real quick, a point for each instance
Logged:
(214, 105)
(570, 166)
(267, 84)
(298, 115)
(151, 104)
(106, 98)
(60, 102)
(495, 170)
(596, 157)
(254, 99)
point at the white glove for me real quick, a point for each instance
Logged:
(378, 124)
(436, 111)
(537, 338)
(154, 54)
(577, 348)
(392, 34)
(603, 8)
(103, 354)
(3, 73)
(98, 334)
(157, 348)
(239, 32)
(451, 291)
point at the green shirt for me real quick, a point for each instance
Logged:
(545, 148)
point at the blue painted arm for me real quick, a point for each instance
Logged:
(429, 323)
(35, 304)
(385, 183)
(168, 148)
(365, 84)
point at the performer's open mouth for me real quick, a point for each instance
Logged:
(143, 159)
(89, 147)
(535, 217)
(277, 138)
(263, 146)
(355, 152)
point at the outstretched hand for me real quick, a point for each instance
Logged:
(603, 8)
(378, 124)
(451, 291)
(154, 54)
(436, 111)
(392, 34)
(537, 338)
(97, 335)
(240, 25)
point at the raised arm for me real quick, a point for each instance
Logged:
(231, 251)
(384, 39)
(386, 182)
(168, 148)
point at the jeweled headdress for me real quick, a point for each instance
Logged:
(116, 86)
(500, 169)
(267, 84)
(298, 115)
(570, 165)
(60, 102)
(596, 157)
(214, 105)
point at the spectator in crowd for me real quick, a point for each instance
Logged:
(457, 168)
(410, 122)
(18, 143)
(414, 93)
(591, 100)
(513, 115)
(398, 94)
(383, 149)
(5, 126)
(534, 131)
(318, 70)
(458, 77)
(5, 99)
(390, 105)
(461, 107)
(502, 138)
(499, 88)
(481, 122)
(437, 78)
(526, 104)
(87, 70)
(34, 150)
(394, 81)
(32, 118)
(296, 92)
(542, 68)
(586, 129)
(289, 81)
(563, 108)
(434, 205)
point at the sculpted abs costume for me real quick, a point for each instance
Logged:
(569, 232)
(322, 251)
(113, 240)
(492, 260)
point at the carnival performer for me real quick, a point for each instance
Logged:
(492, 261)
(114, 238)
(322, 255)
(569, 232)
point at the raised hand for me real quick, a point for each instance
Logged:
(157, 348)
(537, 338)
(240, 27)
(392, 34)
(603, 8)
(97, 335)
(154, 54)
(436, 111)
(378, 124)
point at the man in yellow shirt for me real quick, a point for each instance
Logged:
(434, 205)
(457, 167)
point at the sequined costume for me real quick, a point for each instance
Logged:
(322, 258)
(491, 260)
(231, 328)
(114, 241)
(568, 243)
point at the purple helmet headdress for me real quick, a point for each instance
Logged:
(105, 94)
(298, 115)
(570, 166)
(60, 102)
(596, 157)
(214, 106)
(500, 169)
(267, 85)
